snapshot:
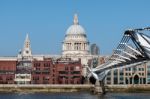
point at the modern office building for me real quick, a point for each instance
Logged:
(94, 49)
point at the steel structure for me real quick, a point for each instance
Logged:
(133, 49)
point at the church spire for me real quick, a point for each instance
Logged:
(27, 42)
(27, 48)
(75, 21)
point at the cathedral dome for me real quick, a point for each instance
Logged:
(75, 28)
(75, 42)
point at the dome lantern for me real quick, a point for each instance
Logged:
(75, 21)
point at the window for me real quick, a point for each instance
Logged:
(37, 64)
(72, 82)
(115, 72)
(63, 72)
(46, 69)
(72, 68)
(75, 72)
(121, 78)
(115, 81)
(121, 73)
(1, 78)
(66, 68)
(46, 64)
(36, 78)
(45, 78)
(9, 78)
(129, 74)
(45, 72)
(37, 72)
(37, 68)
(142, 74)
(148, 73)
(108, 78)
(76, 76)
(139, 73)
(66, 81)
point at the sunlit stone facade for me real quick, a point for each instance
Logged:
(129, 76)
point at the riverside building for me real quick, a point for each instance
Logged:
(67, 68)
(38, 69)
(26, 68)
(129, 76)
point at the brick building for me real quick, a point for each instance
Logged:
(46, 71)
(39, 69)
(42, 72)
(68, 71)
(7, 71)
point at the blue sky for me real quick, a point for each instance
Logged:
(46, 21)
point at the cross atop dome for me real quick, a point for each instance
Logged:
(75, 21)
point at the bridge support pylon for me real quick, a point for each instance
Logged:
(99, 87)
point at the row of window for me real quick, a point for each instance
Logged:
(129, 74)
(66, 77)
(38, 78)
(72, 68)
(42, 69)
(67, 82)
(39, 64)
(73, 72)
(7, 78)
(40, 72)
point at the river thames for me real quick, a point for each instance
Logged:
(76, 95)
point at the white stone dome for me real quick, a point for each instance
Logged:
(75, 28)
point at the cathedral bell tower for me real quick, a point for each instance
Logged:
(26, 51)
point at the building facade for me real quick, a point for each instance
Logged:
(129, 76)
(42, 72)
(38, 69)
(68, 71)
(24, 64)
(7, 71)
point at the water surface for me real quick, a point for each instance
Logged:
(75, 95)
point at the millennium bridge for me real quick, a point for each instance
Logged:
(133, 50)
